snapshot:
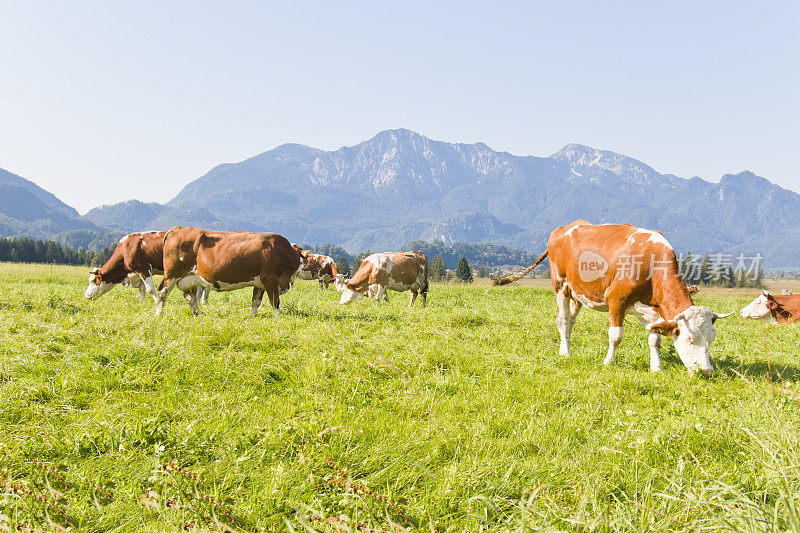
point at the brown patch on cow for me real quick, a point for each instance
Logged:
(667, 328)
(137, 253)
(785, 308)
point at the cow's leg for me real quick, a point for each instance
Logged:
(413, 297)
(378, 292)
(149, 287)
(191, 298)
(202, 294)
(320, 285)
(258, 294)
(654, 340)
(647, 315)
(142, 293)
(616, 316)
(165, 287)
(567, 312)
(274, 295)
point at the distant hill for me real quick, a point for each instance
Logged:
(400, 187)
(28, 210)
(46, 198)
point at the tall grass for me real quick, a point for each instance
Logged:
(458, 416)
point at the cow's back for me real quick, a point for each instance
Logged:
(235, 257)
(146, 252)
(591, 257)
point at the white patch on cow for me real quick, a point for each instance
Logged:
(758, 310)
(125, 238)
(349, 295)
(255, 282)
(656, 237)
(327, 261)
(573, 228)
(380, 261)
(645, 312)
(94, 291)
(591, 304)
(652, 236)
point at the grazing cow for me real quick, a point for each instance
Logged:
(225, 261)
(135, 259)
(782, 309)
(319, 267)
(398, 271)
(620, 269)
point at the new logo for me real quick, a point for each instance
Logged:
(591, 266)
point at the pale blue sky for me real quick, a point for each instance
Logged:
(106, 101)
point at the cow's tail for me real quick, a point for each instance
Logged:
(424, 288)
(511, 278)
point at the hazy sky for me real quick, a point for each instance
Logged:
(105, 101)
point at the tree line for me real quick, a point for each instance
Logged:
(27, 250)
(721, 270)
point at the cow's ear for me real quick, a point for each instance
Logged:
(668, 328)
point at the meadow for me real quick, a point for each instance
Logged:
(456, 417)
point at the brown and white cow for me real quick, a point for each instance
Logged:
(319, 267)
(398, 271)
(225, 261)
(622, 269)
(782, 309)
(133, 262)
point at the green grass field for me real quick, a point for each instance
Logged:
(459, 416)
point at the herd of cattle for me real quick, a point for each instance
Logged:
(197, 261)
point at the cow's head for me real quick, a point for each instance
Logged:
(693, 332)
(348, 294)
(761, 308)
(97, 285)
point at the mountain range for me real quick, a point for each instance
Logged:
(400, 186)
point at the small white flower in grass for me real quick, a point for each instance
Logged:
(159, 448)
(698, 426)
